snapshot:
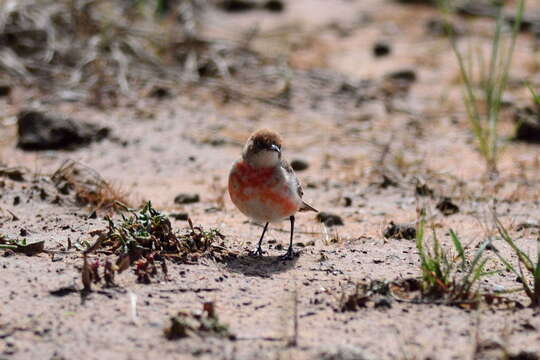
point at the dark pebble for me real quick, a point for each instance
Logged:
(329, 219)
(528, 121)
(406, 75)
(274, 5)
(299, 165)
(179, 216)
(5, 90)
(237, 5)
(381, 49)
(417, 2)
(160, 93)
(447, 207)
(186, 198)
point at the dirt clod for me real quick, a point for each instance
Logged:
(205, 323)
(274, 5)
(237, 5)
(185, 198)
(160, 92)
(179, 216)
(524, 355)
(406, 76)
(299, 165)
(528, 125)
(5, 90)
(447, 207)
(39, 130)
(329, 219)
(400, 231)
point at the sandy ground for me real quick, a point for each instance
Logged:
(345, 120)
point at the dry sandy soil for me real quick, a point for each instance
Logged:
(355, 127)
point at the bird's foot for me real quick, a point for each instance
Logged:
(289, 255)
(257, 253)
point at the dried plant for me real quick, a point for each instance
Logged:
(89, 188)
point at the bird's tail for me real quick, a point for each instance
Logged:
(307, 207)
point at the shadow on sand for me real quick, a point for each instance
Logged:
(260, 266)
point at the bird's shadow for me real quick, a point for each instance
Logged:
(260, 266)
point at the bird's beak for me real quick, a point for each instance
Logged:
(274, 147)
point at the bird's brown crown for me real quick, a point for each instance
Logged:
(262, 139)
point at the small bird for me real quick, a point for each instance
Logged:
(264, 187)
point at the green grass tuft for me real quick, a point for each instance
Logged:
(483, 93)
(446, 277)
(528, 271)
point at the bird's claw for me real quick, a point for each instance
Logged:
(289, 255)
(257, 253)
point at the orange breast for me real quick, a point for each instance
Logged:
(258, 190)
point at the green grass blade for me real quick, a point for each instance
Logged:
(459, 247)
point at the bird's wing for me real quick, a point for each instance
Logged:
(289, 170)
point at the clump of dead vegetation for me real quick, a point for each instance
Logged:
(88, 187)
(98, 49)
(205, 323)
(145, 241)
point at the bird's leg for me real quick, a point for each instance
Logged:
(259, 250)
(289, 255)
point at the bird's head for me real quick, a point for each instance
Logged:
(263, 149)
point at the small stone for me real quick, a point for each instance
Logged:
(329, 219)
(299, 165)
(400, 231)
(237, 5)
(528, 125)
(406, 75)
(274, 6)
(447, 207)
(179, 216)
(5, 90)
(381, 49)
(40, 130)
(185, 198)
(347, 201)
(160, 92)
